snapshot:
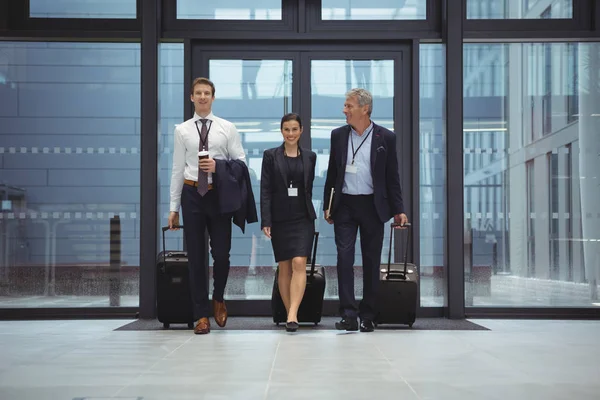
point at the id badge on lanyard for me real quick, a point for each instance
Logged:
(292, 191)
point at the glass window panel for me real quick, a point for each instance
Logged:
(117, 9)
(330, 81)
(254, 95)
(229, 9)
(171, 92)
(347, 10)
(537, 243)
(70, 161)
(519, 9)
(432, 174)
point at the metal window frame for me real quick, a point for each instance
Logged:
(367, 29)
(225, 29)
(446, 23)
(20, 23)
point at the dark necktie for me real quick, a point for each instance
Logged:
(203, 176)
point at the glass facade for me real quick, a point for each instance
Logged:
(347, 10)
(432, 175)
(71, 140)
(109, 9)
(531, 148)
(519, 9)
(229, 9)
(70, 152)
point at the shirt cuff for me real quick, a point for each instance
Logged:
(174, 206)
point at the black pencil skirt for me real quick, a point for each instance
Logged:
(292, 238)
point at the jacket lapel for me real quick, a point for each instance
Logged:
(279, 160)
(305, 165)
(374, 146)
(344, 147)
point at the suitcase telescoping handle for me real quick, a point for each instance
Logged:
(314, 255)
(396, 225)
(164, 229)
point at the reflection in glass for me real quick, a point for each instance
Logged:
(374, 10)
(117, 9)
(254, 95)
(531, 195)
(171, 92)
(229, 9)
(519, 9)
(69, 145)
(330, 81)
(432, 174)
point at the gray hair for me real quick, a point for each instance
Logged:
(363, 96)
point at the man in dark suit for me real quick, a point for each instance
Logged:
(363, 170)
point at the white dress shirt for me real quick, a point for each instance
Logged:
(224, 143)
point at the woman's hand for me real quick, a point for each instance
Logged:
(267, 231)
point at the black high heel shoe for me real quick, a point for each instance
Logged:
(291, 326)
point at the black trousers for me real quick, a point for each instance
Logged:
(354, 213)
(201, 213)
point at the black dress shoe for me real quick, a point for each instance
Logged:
(366, 326)
(291, 326)
(347, 324)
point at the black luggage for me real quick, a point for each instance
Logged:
(398, 289)
(173, 296)
(311, 306)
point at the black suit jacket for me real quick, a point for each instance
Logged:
(384, 170)
(274, 202)
(234, 189)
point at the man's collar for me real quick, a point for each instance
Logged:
(210, 117)
(371, 126)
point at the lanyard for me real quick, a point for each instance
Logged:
(205, 141)
(363, 142)
(289, 169)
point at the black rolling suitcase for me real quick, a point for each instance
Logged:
(311, 306)
(173, 296)
(398, 289)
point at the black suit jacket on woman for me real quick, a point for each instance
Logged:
(274, 201)
(384, 170)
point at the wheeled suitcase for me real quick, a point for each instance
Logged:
(173, 295)
(398, 288)
(311, 306)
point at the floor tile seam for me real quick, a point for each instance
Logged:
(398, 372)
(272, 369)
(142, 373)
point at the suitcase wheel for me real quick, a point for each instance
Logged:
(410, 325)
(190, 325)
(316, 323)
(166, 325)
(277, 323)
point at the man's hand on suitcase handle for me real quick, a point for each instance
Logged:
(173, 221)
(401, 221)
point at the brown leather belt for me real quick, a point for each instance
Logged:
(195, 184)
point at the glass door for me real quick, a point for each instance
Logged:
(332, 74)
(254, 89)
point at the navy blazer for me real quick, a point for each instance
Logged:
(274, 204)
(234, 190)
(384, 170)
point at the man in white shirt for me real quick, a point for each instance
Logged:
(192, 189)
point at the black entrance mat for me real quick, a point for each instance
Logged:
(327, 323)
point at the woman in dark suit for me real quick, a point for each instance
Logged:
(287, 213)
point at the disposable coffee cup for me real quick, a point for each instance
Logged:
(202, 154)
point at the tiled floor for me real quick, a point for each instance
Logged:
(88, 360)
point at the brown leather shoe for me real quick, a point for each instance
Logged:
(220, 312)
(202, 326)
